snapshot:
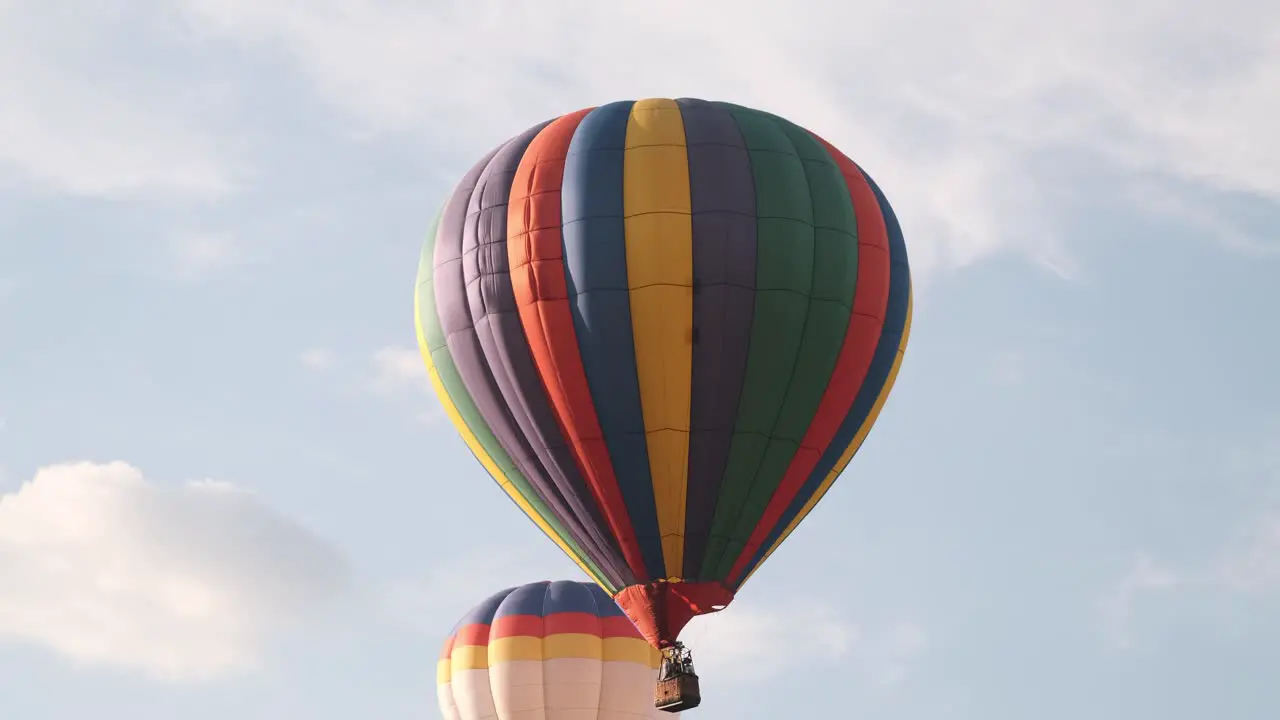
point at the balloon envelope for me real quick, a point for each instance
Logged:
(664, 327)
(547, 651)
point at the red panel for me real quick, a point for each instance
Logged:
(660, 610)
(475, 634)
(536, 256)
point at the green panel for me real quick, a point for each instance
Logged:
(784, 276)
(798, 344)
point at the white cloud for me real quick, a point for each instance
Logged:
(198, 255)
(79, 119)
(1252, 561)
(948, 121)
(399, 369)
(1247, 566)
(1142, 579)
(741, 644)
(317, 359)
(746, 643)
(178, 582)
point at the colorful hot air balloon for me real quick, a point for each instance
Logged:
(547, 651)
(664, 327)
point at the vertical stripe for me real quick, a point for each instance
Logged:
(499, 336)
(595, 261)
(784, 280)
(875, 390)
(463, 345)
(847, 455)
(659, 265)
(830, 305)
(863, 333)
(723, 206)
(470, 426)
(536, 254)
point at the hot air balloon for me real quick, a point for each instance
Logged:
(665, 327)
(547, 651)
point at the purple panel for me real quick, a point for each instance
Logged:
(500, 333)
(468, 355)
(722, 193)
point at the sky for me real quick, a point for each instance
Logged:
(226, 490)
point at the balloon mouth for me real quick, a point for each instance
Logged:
(719, 607)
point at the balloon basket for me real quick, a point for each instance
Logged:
(677, 689)
(677, 694)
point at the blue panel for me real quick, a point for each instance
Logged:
(604, 604)
(564, 596)
(525, 600)
(483, 613)
(541, 599)
(596, 278)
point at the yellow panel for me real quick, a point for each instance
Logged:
(659, 240)
(444, 671)
(469, 657)
(552, 647)
(509, 649)
(633, 650)
(849, 451)
(571, 645)
(472, 442)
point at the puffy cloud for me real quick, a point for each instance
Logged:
(180, 582)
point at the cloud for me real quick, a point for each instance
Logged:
(742, 644)
(180, 583)
(81, 118)
(1144, 578)
(1247, 566)
(399, 369)
(317, 359)
(1251, 563)
(747, 643)
(195, 256)
(951, 123)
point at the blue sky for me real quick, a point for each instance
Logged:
(210, 214)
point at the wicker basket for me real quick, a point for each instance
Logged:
(676, 694)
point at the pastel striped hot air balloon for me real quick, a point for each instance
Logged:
(665, 327)
(547, 651)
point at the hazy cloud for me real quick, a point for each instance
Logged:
(80, 119)
(1247, 565)
(950, 123)
(399, 369)
(317, 358)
